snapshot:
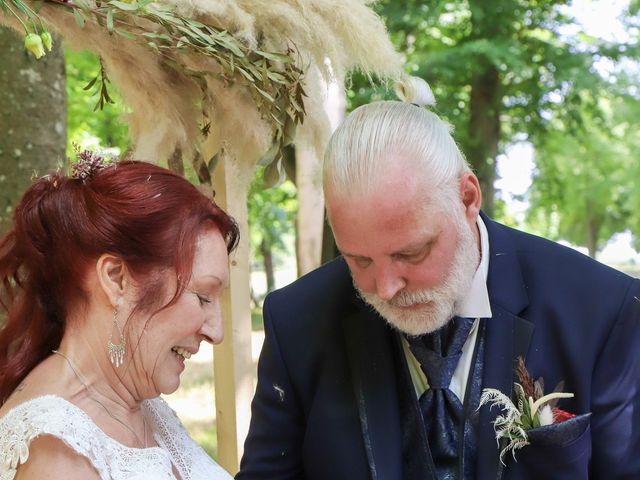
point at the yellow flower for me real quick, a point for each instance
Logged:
(47, 41)
(33, 43)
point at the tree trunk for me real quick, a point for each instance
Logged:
(267, 259)
(33, 117)
(484, 132)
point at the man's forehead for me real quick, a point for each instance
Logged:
(360, 231)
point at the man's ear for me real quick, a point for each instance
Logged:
(113, 277)
(471, 195)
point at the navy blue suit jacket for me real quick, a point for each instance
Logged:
(326, 406)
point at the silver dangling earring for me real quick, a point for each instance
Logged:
(116, 350)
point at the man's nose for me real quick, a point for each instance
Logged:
(388, 283)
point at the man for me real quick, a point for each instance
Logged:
(373, 364)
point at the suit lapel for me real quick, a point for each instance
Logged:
(369, 348)
(507, 337)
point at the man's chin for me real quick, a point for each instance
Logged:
(415, 322)
(416, 329)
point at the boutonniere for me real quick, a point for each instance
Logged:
(532, 409)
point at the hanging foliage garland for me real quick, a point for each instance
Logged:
(243, 72)
(273, 78)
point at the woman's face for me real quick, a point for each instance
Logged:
(175, 333)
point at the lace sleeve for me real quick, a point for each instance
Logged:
(47, 415)
(190, 460)
(52, 415)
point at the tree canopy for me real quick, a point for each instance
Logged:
(500, 71)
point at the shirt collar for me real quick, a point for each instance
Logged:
(476, 303)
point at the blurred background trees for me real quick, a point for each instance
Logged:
(505, 72)
(515, 71)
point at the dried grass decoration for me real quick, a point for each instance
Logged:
(244, 72)
(272, 78)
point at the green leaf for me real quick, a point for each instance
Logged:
(127, 7)
(269, 155)
(276, 77)
(91, 83)
(277, 120)
(79, 17)
(274, 172)
(289, 133)
(124, 33)
(159, 36)
(182, 41)
(110, 20)
(83, 4)
(264, 93)
(244, 73)
(265, 74)
(213, 162)
(275, 57)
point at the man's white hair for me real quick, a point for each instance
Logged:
(360, 151)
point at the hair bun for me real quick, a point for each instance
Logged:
(414, 90)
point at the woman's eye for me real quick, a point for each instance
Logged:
(203, 300)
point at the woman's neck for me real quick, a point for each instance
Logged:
(103, 381)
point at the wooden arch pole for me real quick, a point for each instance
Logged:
(233, 367)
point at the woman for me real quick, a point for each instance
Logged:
(111, 278)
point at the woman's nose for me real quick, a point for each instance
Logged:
(212, 329)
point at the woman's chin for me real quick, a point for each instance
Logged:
(169, 387)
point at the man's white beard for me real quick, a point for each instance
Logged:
(436, 305)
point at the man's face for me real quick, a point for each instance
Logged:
(410, 262)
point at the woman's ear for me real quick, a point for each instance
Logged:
(113, 277)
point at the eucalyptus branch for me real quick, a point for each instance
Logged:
(102, 80)
(272, 78)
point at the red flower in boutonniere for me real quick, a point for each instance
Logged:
(560, 415)
(532, 409)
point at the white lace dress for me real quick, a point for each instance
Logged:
(53, 415)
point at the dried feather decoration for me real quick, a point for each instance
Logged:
(325, 38)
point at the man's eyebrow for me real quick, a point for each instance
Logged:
(417, 247)
(347, 254)
(413, 248)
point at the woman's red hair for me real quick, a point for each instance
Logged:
(145, 214)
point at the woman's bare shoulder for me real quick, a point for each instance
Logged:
(43, 380)
(50, 457)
